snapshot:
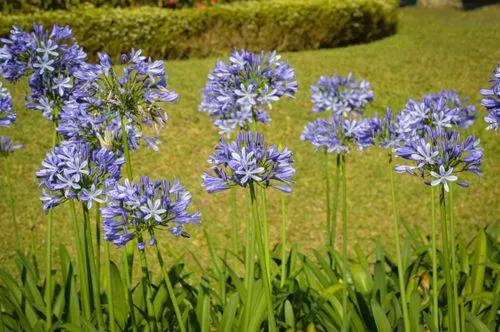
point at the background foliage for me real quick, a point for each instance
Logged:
(282, 25)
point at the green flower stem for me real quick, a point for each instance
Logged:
(265, 234)
(126, 149)
(98, 239)
(446, 254)
(336, 190)
(128, 254)
(170, 290)
(345, 323)
(260, 239)
(146, 291)
(401, 268)
(453, 259)
(326, 174)
(249, 269)
(91, 265)
(48, 253)
(435, 289)
(10, 199)
(80, 248)
(111, 306)
(234, 223)
(283, 241)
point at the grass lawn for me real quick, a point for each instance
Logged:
(433, 50)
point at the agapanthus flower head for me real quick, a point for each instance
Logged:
(7, 146)
(440, 155)
(248, 159)
(388, 131)
(492, 101)
(50, 57)
(140, 210)
(94, 113)
(7, 114)
(336, 134)
(239, 92)
(341, 94)
(73, 170)
(436, 110)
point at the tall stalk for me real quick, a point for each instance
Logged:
(446, 254)
(90, 262)
(12, 206)
(81, 260)
(260, 238)
(111, 305)
(146, 292)
(401, 274)
(249, 269)
(453, 259)
(48, 253)
(170, 290)
(128, 254)
(435, 289)
(336, 190)
(326, 175)
(283, 241)
(344, 243)
(234, 223)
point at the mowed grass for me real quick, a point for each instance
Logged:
(433, 50)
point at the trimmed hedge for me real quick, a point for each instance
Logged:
(284, 25)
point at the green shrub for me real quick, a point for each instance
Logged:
(282, 25)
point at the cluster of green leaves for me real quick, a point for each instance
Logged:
(281, 25)
(308, 297)
(27, 6)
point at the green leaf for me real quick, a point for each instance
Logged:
(289, 316)
(362, 279)
(381, 320)
(229, 315)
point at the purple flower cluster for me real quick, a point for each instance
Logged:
(346, 97)
(492, 101)
(7, 114)
(440, 155)
(388, 132)
(336, 133)
(341, 94)
(137, 210)
(440, 110)
(75, 171)
(50, 58)
(238, 92)
(247, 160)
(94, 113)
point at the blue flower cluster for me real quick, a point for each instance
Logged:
(238, 92)
(94, 113)
(388, 133)
(341, 94)
(7, 118)
(346, 97)
(50, 58)
(336, 133)
(75, 171)
(492, 101)
(247, 160)
(440, 110)
(440, 155)
(7, 114)
(137, 210)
